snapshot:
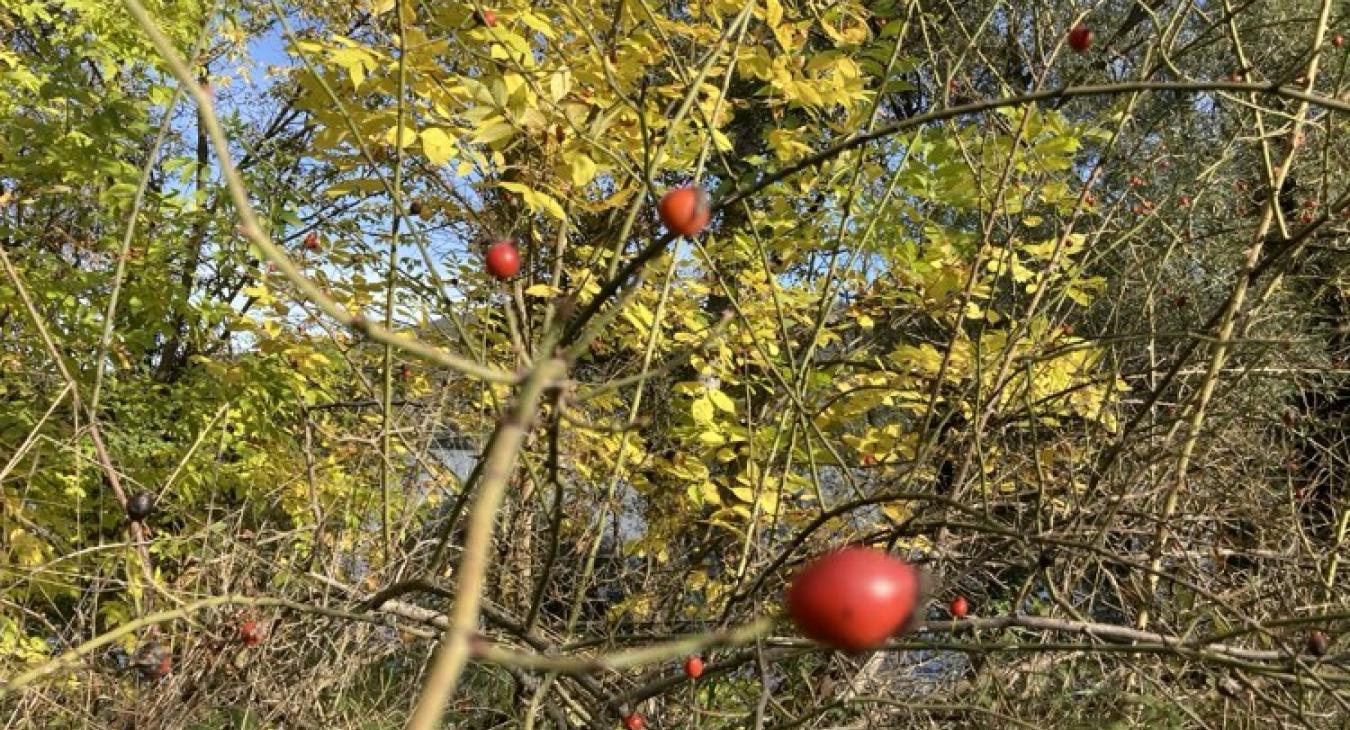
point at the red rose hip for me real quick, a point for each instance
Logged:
(634, 721)
(852, 599)
(503, 259)
(1080, 38)
(960, 607)
(1318, 643)
(693, 667)
(685, 210)
(250, 634)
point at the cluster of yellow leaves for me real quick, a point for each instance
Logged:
(564, 124)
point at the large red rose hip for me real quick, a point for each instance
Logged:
(685, 211)
(853, 598)
(503, 259)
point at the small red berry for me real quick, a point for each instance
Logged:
(685, 210)
(960, 607)
(693, 667)
(488, 18)
(1080, 38)
(250, 634)
(1185, 201)
(312, 241)
(852, 598)
(1338, 41)
(503, 259)
(634, 721)
(405, 373)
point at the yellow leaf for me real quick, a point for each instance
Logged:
(708, 492)
(354, 60)
(773, 13)
(438, 146)
(511, 83)
(923, 359)
(808, 94)
(392, 137)
(582, 169)
(721, 400)
(721, 141)
(559, 84)
(897, 511)
(550, 206)
(493, 132)
(702, 410)
(543, 290)
(712, 438)
(539, 25)
(768, 502)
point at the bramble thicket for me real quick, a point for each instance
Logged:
(412, 364)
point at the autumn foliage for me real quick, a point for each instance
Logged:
(613, 364)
